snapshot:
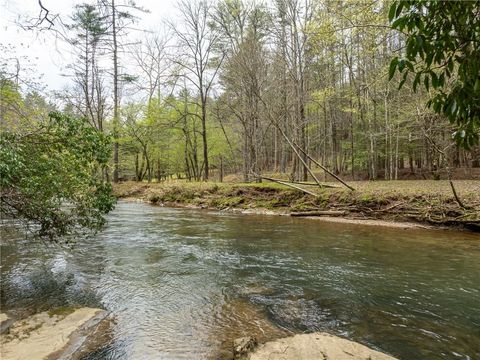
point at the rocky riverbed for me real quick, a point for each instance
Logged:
(69, 333)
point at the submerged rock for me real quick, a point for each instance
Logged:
(55, 334)
(3, 317)
(239, 318)
(5, 323)
(315, 346)
(243, 346)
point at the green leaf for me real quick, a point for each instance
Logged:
(392, 11)
(399, 9)
(405, 75)
(476, 88)
(434, 79)
(399, 23)
(416, 81)
(409, 65)
(410, 49)
(429, 58)
(419, 41)
(450, 64)
(392, 68)
(441, 80)
(426, 82)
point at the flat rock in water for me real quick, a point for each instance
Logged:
(316, 346)
(48, 335)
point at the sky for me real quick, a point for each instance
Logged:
(46, 53)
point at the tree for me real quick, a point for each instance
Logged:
(197, 41)
(150, 56)
(244, 73)
(296, 16)
(89, 32)
(302, 88)
(47, 173)
(443, 52)
(117, 18)
(140, 132)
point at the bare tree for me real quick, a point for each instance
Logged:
(118, 18)
(244, 74)
(195, 57)
(295, 16)
(151, 58)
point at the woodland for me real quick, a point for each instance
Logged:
(241, 87)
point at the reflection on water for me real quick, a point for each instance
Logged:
(184, 283)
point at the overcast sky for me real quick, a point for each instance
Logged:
(43, 49)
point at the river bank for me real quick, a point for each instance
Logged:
(403, 204)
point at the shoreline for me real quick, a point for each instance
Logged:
(386, 207)
(375, 222)
(337, 219)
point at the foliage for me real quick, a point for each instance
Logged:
(443, 52)
(48, 177)
(88, 23)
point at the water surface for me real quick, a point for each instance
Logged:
(183, 283)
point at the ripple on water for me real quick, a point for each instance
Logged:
(185, 283)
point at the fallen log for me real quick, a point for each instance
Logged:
(319, 213)
(283, 181)
(286, 184)
(324, 168)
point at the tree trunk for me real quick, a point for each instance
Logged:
(204, 137)
(116, 120)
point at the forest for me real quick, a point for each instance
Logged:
(241, 88)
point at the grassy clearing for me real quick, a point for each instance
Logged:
(425, 201)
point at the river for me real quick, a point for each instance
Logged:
(182, 284)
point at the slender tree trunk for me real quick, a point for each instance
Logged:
(116, 120)
(396, 153)
(159, 171)
(221, 169)
(204, 137)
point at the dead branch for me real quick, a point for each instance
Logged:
(319, 213)
(309, 183)
(323, 167)
(286, 184)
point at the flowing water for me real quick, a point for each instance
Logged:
(182, 284)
